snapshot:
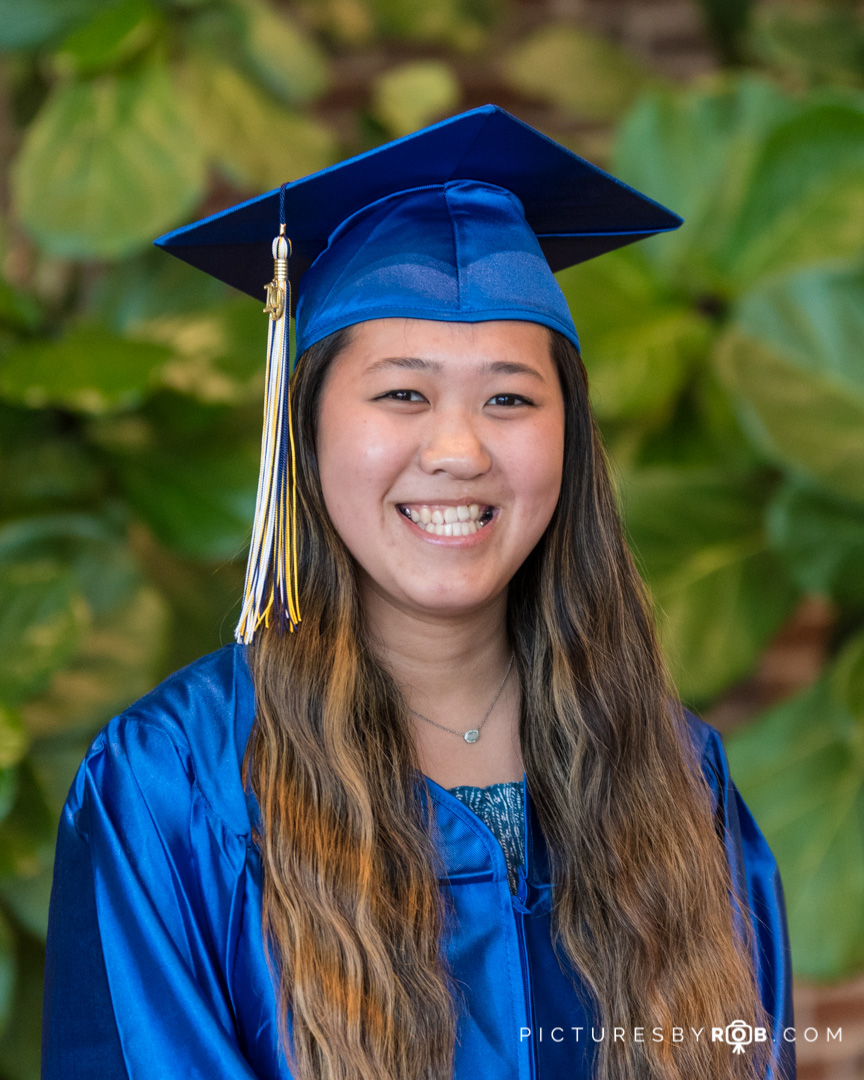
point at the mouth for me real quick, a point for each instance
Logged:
(438, 519)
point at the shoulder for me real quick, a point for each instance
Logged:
(708, 747)
(189, 731)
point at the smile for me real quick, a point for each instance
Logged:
(438, 520)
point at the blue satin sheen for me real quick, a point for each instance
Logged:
(155, 964)
(455, 252)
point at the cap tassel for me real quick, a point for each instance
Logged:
(271, 571)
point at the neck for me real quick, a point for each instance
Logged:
(449, 667)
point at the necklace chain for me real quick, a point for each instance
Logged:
(472, 734)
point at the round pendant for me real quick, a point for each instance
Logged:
(472, 736)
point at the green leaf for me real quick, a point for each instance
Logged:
(809, 43)
(29, 831)
(695, 152)
(42, 617)
(219, 354)
(581, 72)
(193, 481)
(800, 768)
(847, 679)
(25, 24)
(40, 468)
(90, 547)
(806, 196)
(113, 665)
(719, 591)
(87, 370)
(18, 311)
(638, 344)
(108, 165)
(113, 37)
(20, 1045)
(8, 789)
(412, 95)
(152, 285)
(821, 538)
(255, 142)
(791, 361)
(14, 739)
(460, 23)
(286, 60)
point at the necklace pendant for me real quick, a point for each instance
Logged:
(472, 736)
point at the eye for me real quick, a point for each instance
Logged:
(401, 395)
(508, 400)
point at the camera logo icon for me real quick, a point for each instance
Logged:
(739, 1035)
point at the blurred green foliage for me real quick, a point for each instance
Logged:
(724, 363)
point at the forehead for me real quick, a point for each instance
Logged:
(437, 346)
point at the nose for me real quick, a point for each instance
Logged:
(454, 446)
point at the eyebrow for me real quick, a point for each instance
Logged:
(418, 363)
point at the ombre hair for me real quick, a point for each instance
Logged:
(353, 914)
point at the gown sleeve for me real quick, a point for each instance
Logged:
(143, 896)
(758, 880)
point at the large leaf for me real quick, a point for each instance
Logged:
(107, 165)
(28, 23)
(254, 141)
(792, 360)
(91, 548)
(88, 370)
(821, 538)
(152, 285)
(577, 70)
(20, 1044)
(696, 153)
(407, 97)
(41, 468)
(285, 58)
(219, 354)
(42, 617)
(638, 344)
(13, 740)
(719, 591)
(114, 664)
(805, 201)
(801, 771)
(193, 476)
(113, 37)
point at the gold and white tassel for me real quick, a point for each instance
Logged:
(271, 588)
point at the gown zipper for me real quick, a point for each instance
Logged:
(521, 912)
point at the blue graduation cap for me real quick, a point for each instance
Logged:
(464, 221)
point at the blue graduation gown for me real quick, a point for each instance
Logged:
(155, 963)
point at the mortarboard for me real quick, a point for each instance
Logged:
(466, 220)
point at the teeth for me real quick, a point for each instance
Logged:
(451, 521)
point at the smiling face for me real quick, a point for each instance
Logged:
(440, 449)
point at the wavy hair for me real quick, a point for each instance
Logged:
(353, 916)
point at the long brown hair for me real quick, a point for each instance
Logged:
(352, 911)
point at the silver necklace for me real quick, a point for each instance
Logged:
(472, 734)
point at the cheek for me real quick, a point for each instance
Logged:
(535, 471)
(358, 460)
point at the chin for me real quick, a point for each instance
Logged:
(452, 600)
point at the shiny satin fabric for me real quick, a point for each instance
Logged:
(455, 252)
(155, 962)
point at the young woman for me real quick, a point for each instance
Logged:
(438, 813)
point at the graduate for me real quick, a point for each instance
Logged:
(437, 813)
